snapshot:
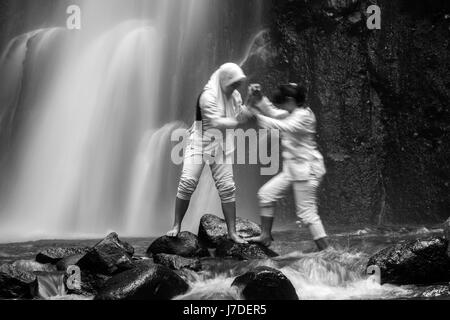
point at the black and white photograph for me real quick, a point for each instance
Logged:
(248, 151)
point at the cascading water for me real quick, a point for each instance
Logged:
(87, 116)
(335, 274)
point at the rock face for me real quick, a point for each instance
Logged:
(109, 256)
(185, 245)
(16, 278)
(264, 283)
(213, 230)
(414, 262)
(175, 262)
(147, 281)
(53, 255)
(252, 251)
(447, 229)
(382, 155)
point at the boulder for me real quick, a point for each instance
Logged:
(414, 262)
(91, 284)
(108, 257)
(185, 245)
(147, 281)
(175, 262)
(264, 283)
(213, 230)
(16, 278)
(250, 251)
(13, 288)
(53, 255)
(66, 262)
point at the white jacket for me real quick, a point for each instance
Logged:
(302, 159)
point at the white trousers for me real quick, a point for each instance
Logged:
(305, 193)
(222, 173)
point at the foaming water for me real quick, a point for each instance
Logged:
(329, 275)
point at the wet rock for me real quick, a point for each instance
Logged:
(414, 262)
(175, 262)
(16, 278)
(147, 281)
(66, 262)
(53, 255)
(13, 288)
(91, 284)
(213, 230)
(185, 245)
(264, 283)
(250, 251)
(109, 256)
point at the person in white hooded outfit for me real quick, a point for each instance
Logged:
(219, 108)
(303, 165)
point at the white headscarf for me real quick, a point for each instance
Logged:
(225, 76)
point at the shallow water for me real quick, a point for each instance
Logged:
(339, 273)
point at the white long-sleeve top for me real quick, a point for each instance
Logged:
(302, 159)
(204, 136)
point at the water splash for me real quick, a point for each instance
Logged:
(329, 275)
(49, 284)
(259, 47)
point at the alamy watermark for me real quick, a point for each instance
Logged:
(230, 146)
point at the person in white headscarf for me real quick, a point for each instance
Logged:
(219, 108)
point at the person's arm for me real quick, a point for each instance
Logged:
(269, 110)
(296, 122)
(210, 112)
(244, 115)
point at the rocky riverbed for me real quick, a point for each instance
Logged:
(413, 263)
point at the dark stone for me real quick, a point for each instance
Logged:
(264, 283)
(108, 257)
(13, 288)
(414, 262)
(175, 262)
(250, 251)
(66, 262)
(91, 283)
(213, 230)
(185, 245)
(147, 281)
(16, 278)
(53, 255)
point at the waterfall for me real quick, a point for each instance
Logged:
(86, 115)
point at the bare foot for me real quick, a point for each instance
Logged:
(237, 239)
(174, 232)
(265, 241)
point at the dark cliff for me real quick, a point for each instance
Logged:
(382, 102)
